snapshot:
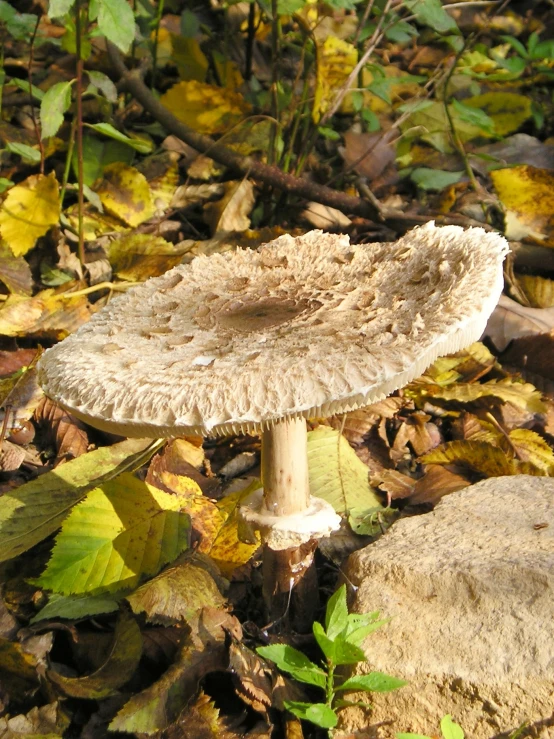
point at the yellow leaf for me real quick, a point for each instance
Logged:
(521, 394)
(206, 108)
(481, 456)
(188, 57)
(229, 74)
(94, 223)
(507, 109)
(335, 61)
(527, 193)
(538, 290)
(137, 257)
(125, 193)
(532, 448)
(228, 551)
(46, 315)
(29, 211)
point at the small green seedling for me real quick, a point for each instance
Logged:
(449, 729)
(341, 642)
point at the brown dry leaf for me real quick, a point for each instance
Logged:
(15, 272)
(11, 456)
(532, 353)
(176, 594)
(205, 108)
(510, 320)
(29, 211)
(435, 483)
(231, 212)
(335, 61)
(369, 154)
(20, 394)
(539, 291)
(47, 315)
(94, 223)
(136, 256)
(258, 682)
(417, 431)
(527, 194)
(395, 484)
(125, 193)
(186, 196)
(200, 720)
(325, 217)
(48, 722)
(162, 174)
(68, 433)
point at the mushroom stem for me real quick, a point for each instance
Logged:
(285, 467)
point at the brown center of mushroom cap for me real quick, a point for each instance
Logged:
(263, 314)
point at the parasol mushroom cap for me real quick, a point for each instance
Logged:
(302, 327)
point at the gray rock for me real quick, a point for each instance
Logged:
(470, 591)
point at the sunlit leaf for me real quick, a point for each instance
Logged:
(531, 447)
(117, 670)
(123, 530)
(538, 290)
(206, 108)
(176, 594)
(46, 315)
(231, 213)
(336, 474)
(521, 394)
(508, 110)
(35, 510)
(29, 211)
(227, 550)
(74, 608)
(137, 257)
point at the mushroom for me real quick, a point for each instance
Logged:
(259, 341)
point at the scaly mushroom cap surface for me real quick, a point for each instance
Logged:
(307, 326)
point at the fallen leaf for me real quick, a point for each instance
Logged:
(325, 217)
(47, 315)
(436, 483)
(206, 108)
(75, 608)
(521, 394)
(69, 434)
(125, 193)
(176, 594)
(483, 457)
(29, 211)
(527, 194)
(137, 257)
(46, 722)
(335, 61)
(117, 670)
(508, 110)
(123, 530)
(510, 320)
(369, 154)
(539, 291)
(232, 211)
(532, 353)
(35, 510)
(15, 272)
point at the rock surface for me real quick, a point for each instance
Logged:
(470, 589)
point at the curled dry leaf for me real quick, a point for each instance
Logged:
(48, 721)
(232, 211)
(532, 353)
(68, 433)
(436, 483)
(15, 272)
(510, 320)
(325, 217)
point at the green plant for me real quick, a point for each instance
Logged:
(449, 730)
(341, 641)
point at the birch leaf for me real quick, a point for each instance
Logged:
(125, 193)
(206, 108)
(335, 61)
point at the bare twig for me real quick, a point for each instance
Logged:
(79, 132)
(33, 116)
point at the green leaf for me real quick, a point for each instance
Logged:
(432, 14)
(55, 103)
(57, 8)
(27, 153)
(117, 670)
(434, 179)
(317, 713)
(474, 116)
(516, 46)
(121, 531)
(117, 23)
(7, 11)
(97, 154)
(190, 25)
(64, 606)
(294, 662)
(35, 510)
(102, 82)
(336, 615)
(451, 730)
(374, 682)
(140, 145)
(347, 653)
(5, 184)
(24, 85)
(336, 473)
(326, 645)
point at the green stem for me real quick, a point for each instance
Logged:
(79, 133)
(70, 147)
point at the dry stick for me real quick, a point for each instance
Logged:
(33, 116)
